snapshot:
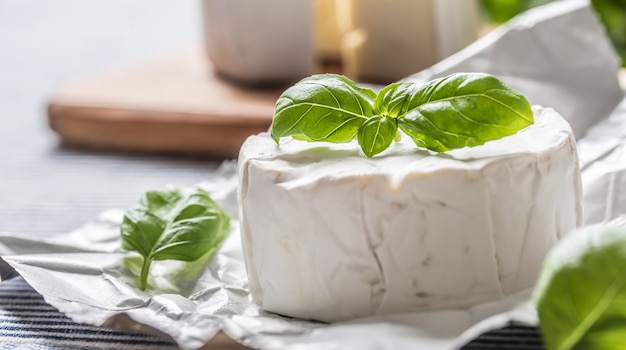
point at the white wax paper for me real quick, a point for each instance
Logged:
(557, 55)
(603, 162)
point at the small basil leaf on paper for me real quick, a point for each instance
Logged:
(323, 107)
(581, 293)
(172, 224)
(376, 134)
(393, 100)
(464, 109)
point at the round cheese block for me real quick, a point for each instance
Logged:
(330, 235)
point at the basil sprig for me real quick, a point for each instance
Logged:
(464, 109)
(171, 224)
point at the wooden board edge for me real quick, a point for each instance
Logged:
(149, 131)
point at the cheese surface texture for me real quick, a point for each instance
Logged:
(330, 235)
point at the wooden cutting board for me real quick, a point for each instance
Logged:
(175, 104)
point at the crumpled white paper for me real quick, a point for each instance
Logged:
(557, 55)
(602, 154)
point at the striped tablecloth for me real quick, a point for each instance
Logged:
(28, 322)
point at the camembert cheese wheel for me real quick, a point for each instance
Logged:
(331, 235)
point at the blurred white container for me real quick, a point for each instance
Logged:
(261, 41)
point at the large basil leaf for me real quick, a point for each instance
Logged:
(393, 100)
(323, 107)
(581, 293)
(171, 224)
(376, 134)
(464, 109)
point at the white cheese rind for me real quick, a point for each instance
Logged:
(331, 235)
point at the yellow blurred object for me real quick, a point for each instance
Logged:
(327, 35)
(386, 40)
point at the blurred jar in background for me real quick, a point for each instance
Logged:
(259, 42)
(376, 41)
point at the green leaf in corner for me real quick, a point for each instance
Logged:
(612, 13)
(376, 134)
(171, 224)
(464, 109)
(323, 107)
(581, 293)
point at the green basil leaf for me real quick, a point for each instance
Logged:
(323, 107)
(613, 16)
(171, 224)
(500, 11)
(464, 109)
(581, 293)
(393, 100)
(376, 134)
